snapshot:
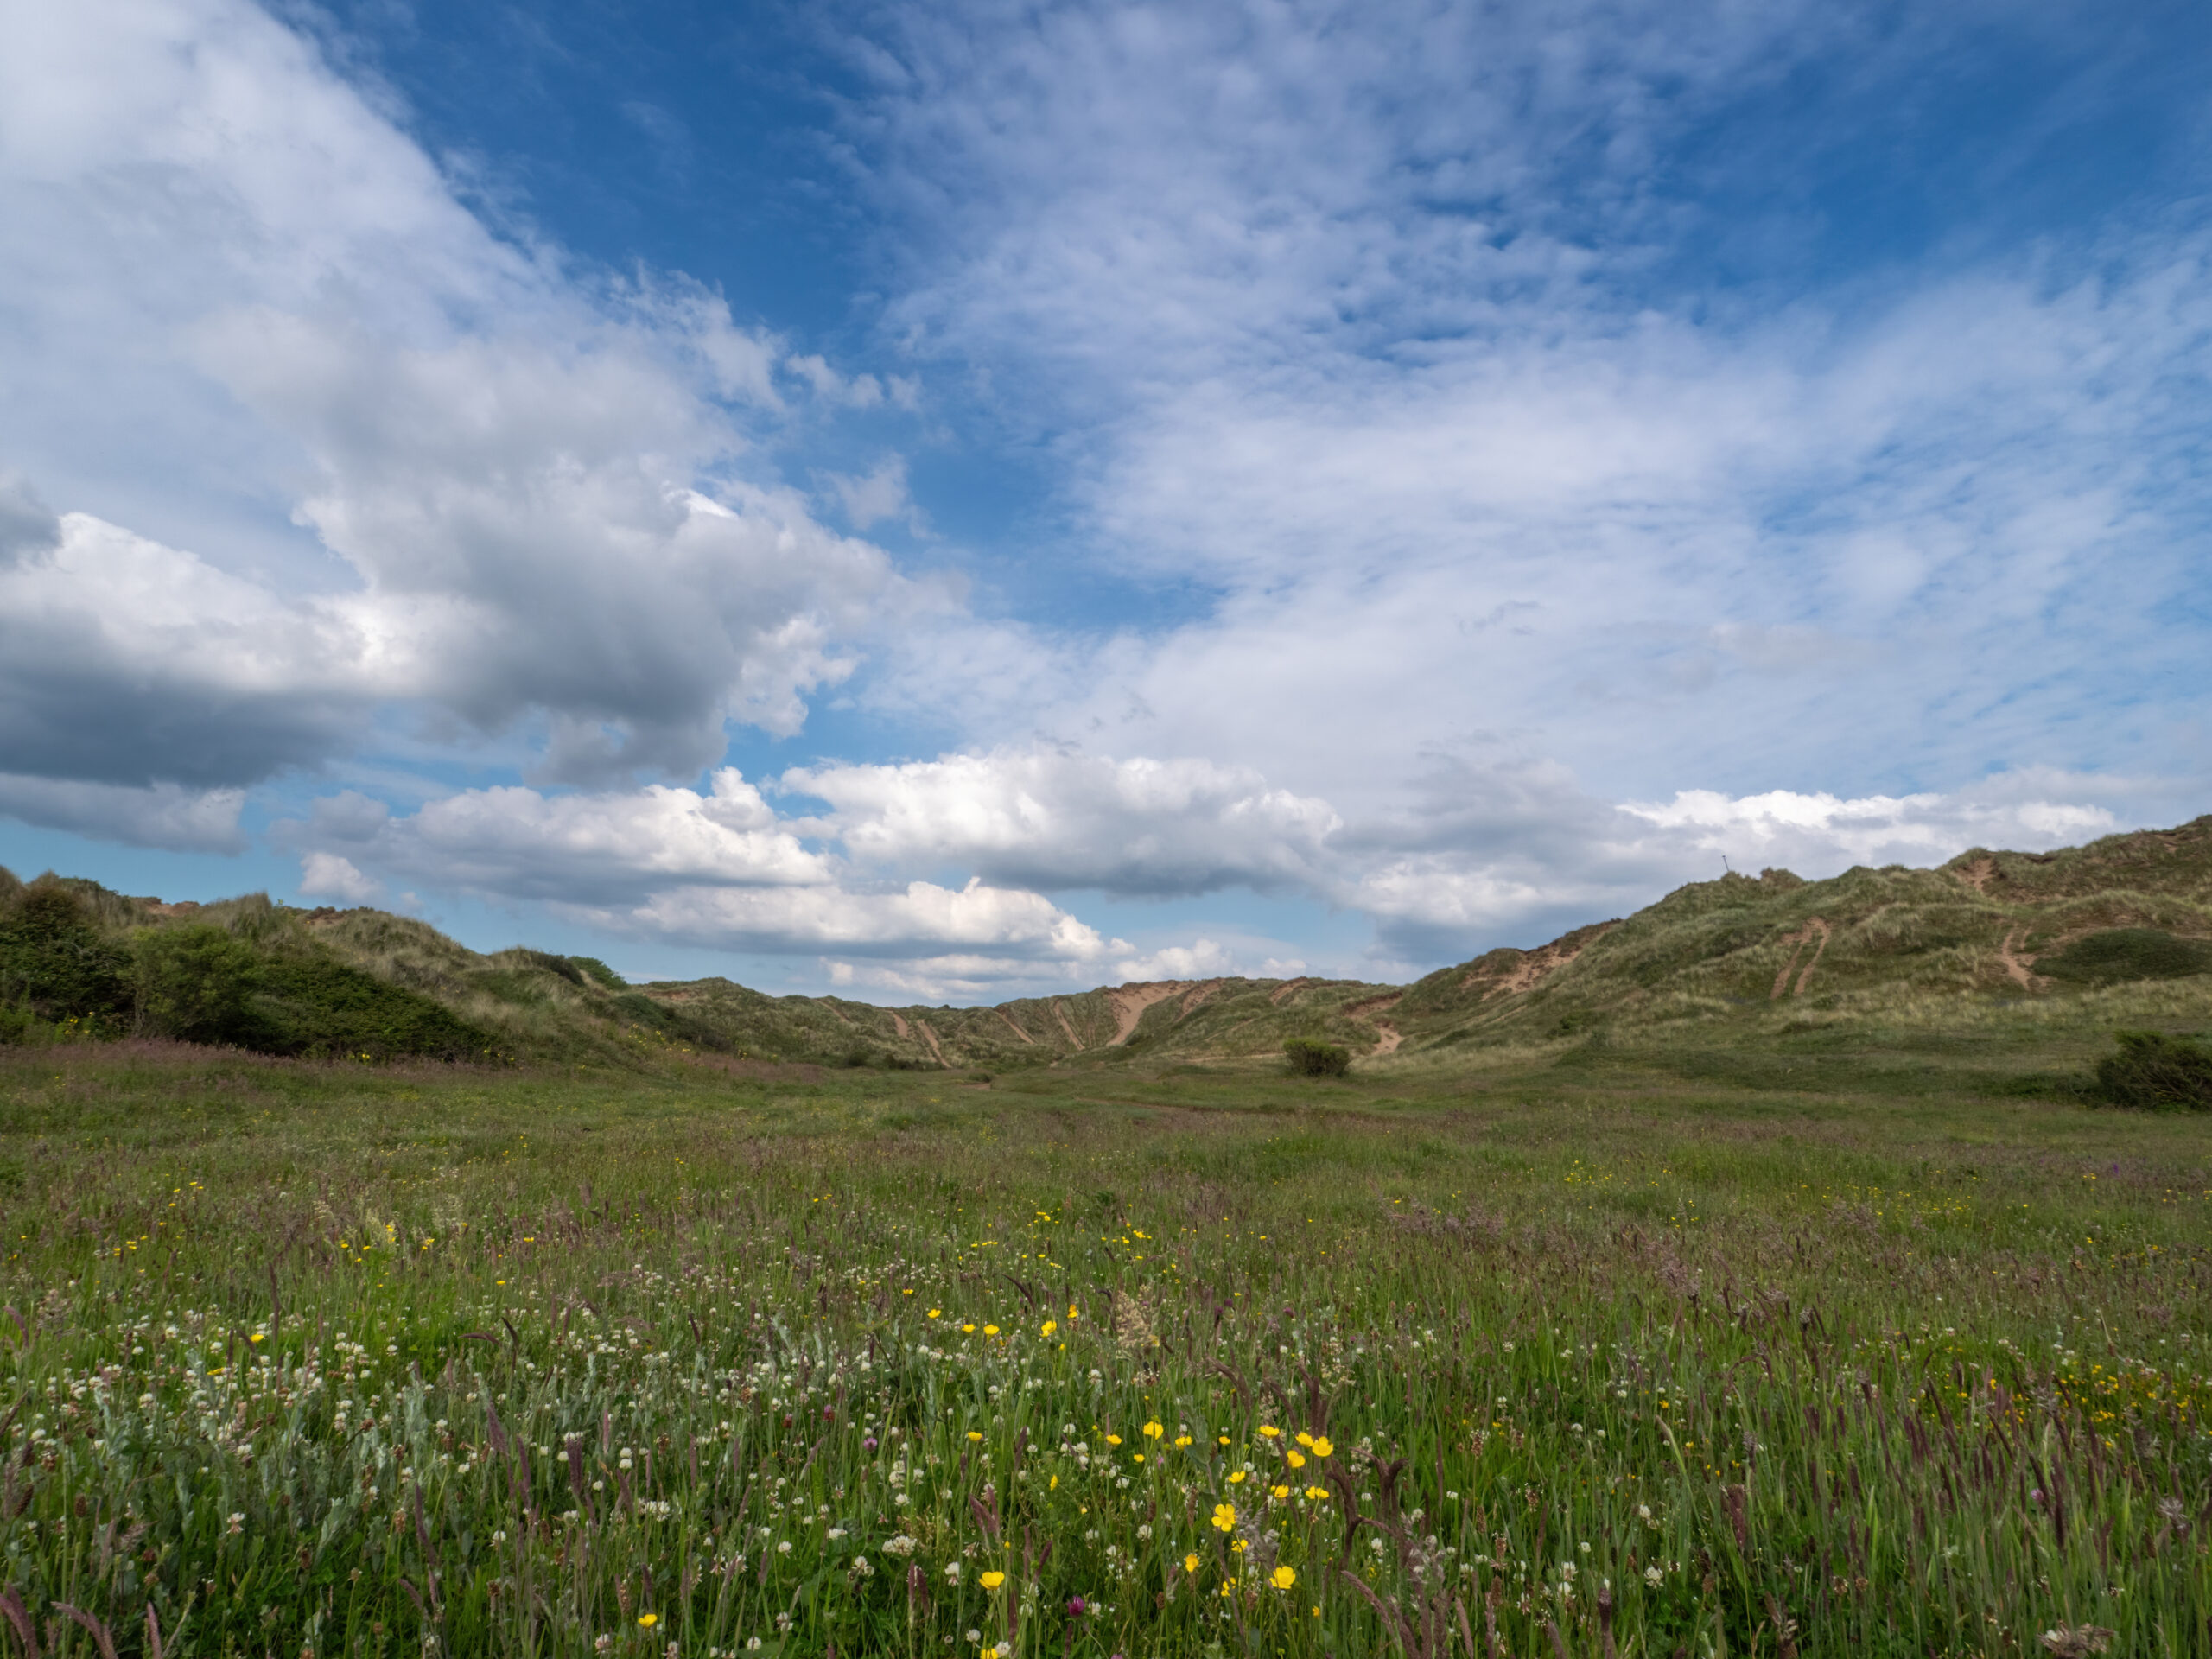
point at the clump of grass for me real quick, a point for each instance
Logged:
(2156, 1072)
(1310, 1057)
(2115, 954)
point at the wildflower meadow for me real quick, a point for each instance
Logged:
(323, 1359)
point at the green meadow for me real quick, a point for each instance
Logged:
(1808, 1341)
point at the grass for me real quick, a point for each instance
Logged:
(1842, 1339)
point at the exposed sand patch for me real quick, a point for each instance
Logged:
(1276, 995)
(930, 1037)
(2019, 971)
(900, 1025)
(1978, 874)
(1813, 930)
(1199, 995)
(1015, 1029)
(1540, 964)
(1130, 1003)
(1060, 1013)
(1388, 1039)
(1388, 1000)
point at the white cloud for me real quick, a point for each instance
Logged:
(1060, 819)
(1784, 827)
(986, 925)
(231, 288)
(580, 849)
(163, 815)
(325, 875)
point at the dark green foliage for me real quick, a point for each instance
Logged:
(2157, 1073)
(1311, 1058)
(593, 969)
(196, 982)
(2120, 954)
(54, 960)
(313, 1005)
(565, 967)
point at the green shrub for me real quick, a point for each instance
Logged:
(2157, 1073)
(196, 983)
(593, 969)
(54, 960)
(2126, 953)
(1310, 1057)
(313, 1005)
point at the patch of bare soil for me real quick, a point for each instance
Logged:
(1199, 995)
(1538, 965)
(1815, 929)
(900, 1025)
(1276, 995)
(1131, 1001)
(1015, 1029)
(2019, 972)
(1978, 874)
(1060, 1013)
(930, 1037)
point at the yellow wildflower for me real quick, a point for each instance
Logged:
(1225, 1517)
(1190, 1563)
(1321, 1446)
(1282, 1578)
(991, 1581)
(1153, 1431)
(1279, 1493)
(990, 1330)
(1051, 1326)
(648, 1620)
(1235, 1476)
(1269, 1430)
(974, 1435)
(1295, 1459)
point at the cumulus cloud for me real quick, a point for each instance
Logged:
(161, 815)
(1060, 819)
(325, 875)
(526, 493)
(585, 849)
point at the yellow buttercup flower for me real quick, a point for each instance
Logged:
(1282, 1578)
(935, 1311)
(965, 1329)
(1113, 1439)
(1051, 1326)
(1315, 1494)
(990, 1330)
(1305, 1439)
(1190, 1563)
(1182, 1440)
(1295, 1459)
(1153, 1431)
(1269, 1430)
(974, 1435)
(1278, 1493)
(1321, 1446)
(1235, 1476)
(648, 1620)
(1225, 1517)
(991, 1581)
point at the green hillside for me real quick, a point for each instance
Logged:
(2115, 933)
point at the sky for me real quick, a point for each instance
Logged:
(948, 502)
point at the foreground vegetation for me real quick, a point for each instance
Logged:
(1821, 1341)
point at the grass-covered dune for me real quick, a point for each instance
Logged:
(382, 1358)
(2080, 934)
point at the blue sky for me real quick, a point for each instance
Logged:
(951, 502)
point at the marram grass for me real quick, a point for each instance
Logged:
(339, 1360)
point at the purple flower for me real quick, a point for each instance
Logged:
(868, 1443)
(1075, 1606)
